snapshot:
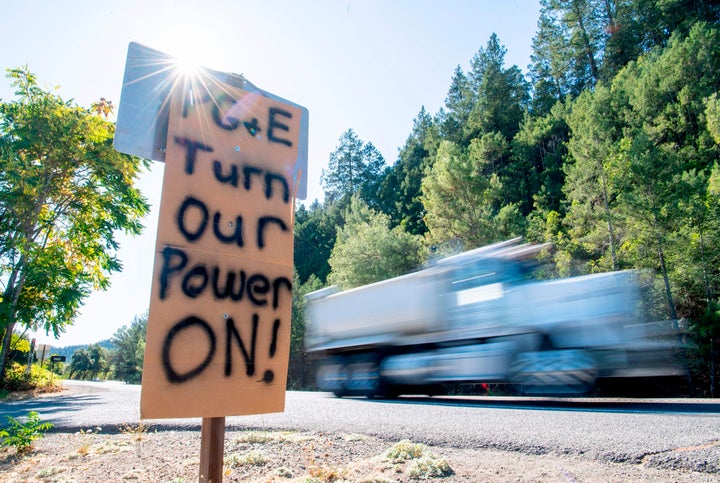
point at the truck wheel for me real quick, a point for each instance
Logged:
(332, 376)
(363, 376)
(567, 372)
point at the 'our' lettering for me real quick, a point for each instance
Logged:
(193, 218)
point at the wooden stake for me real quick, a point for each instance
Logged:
(212, 445)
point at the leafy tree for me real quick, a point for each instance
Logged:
(648, 203)
(98, 360)
(643, 158)
(490, 98)
(19, 348)
(64, 195)
(693, 270)
(79, 364)
(633, 28)
(579, 42)
(368, 250)
(653, 22)
(474, 193)
(354, 167)
(128, 354)
(706, 336)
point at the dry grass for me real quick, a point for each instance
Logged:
(416, 460)
(302, 457)
(137, 432)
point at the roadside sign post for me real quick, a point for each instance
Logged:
(41, 350)
(218, 333)
(212, 443)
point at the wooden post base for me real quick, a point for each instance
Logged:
(212, 445)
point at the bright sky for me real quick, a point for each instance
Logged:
(366, 65)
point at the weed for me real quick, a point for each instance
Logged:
(50, 471)
(353, 437)
(405, 450)
(136, 432)
(424, 465)
(85, 435)
(21, 435)
(257, 437)
(252, 458)
(429, 467)
(283, 472)
(319, 474)
(325, 474)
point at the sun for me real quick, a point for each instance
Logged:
(187, 58)
(187, 67)
(188, 71)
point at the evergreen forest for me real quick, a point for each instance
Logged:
(607, 147)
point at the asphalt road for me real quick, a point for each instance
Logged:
(619, 430)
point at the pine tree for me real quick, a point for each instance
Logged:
(354, 167)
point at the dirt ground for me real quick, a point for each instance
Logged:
(144, 454)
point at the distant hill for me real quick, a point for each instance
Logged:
(70, 350)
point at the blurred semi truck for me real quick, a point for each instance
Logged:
(479, 317)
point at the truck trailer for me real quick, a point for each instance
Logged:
(481, 317)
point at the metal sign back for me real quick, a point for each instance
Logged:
(142, 121)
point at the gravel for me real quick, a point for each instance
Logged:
(144, 453)
(261, 452)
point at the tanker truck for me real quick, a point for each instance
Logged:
(481, 317)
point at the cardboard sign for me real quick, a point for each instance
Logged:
(219, 323)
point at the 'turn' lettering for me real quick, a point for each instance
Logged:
(229, 173)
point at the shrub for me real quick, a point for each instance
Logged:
(406, 450)
(423, 464)
(429, 467)
(21, 434)
(18, 379)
